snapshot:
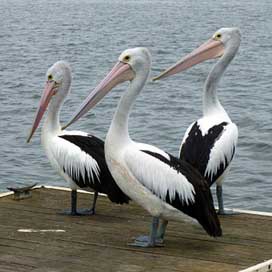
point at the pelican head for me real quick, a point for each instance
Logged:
(131, 63)
(223, 41)
(57, 86)
(139, 59)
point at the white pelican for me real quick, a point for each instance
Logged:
(209, 143)
(165, 186)
(77, 156)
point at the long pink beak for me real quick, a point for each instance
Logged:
(209, 50)
(48, 92)
(120, 72)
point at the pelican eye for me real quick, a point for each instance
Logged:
(127, 58)
(218, 36)
(50, 77)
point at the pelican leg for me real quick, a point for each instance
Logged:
(219, 194)
(74, 202)
(73, 210)
(79, 212)
(162, 230)
(92, 210)
(94, 201)
(151, 241)
(160, 234)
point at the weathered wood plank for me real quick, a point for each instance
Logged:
(109, 257)
(100, 242)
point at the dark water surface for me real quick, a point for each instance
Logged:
(90, 35)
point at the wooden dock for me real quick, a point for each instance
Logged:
(33, 237)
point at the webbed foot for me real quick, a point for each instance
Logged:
(145, 238)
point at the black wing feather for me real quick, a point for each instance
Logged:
(106, 184)
(197, 148)
(202, 209)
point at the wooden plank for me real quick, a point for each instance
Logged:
(100, 242)
(59, 188)
(106, 257)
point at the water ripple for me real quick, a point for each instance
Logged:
(91, 34)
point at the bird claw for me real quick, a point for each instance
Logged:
(79, 212)
(144, 241)
(86, 212)
(145, 238)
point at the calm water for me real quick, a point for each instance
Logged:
(90, 35)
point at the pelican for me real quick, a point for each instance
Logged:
(77, 156)
(165, 186)
(209, 143)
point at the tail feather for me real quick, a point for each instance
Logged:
(210, 222)
(203, 207)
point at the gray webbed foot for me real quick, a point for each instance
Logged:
(150, 241)
(79, 212)
(69, 213)
(144, 244)
(145, 238)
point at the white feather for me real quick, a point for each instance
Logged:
(224, 146)
(151, 148)
(65, 155)
(186, 136)
(222, 150)
(209, 121)
(158, 176)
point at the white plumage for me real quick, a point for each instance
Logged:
(223, 150)
(151, 148)
(159, 177)
(68, 159)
